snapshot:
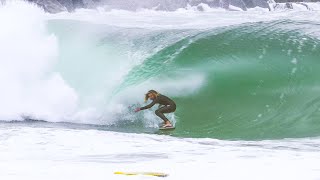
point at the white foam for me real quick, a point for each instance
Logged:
(294, 61)
(185, 18)
(40, 153)
(28, 53)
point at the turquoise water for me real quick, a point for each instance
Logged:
(258, 80)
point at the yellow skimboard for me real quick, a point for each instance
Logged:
(157, 174)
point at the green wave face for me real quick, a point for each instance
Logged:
(262, 81)
(259, 80)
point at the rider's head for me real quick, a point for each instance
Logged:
(152, 94)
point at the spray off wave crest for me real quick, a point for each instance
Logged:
(28, 53)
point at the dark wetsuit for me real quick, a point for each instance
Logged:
(169, 106)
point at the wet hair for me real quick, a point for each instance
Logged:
(150, 92)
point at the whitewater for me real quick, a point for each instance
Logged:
(246, 86)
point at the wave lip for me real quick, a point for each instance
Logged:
(54, 6)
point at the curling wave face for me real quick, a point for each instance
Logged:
(246, 76)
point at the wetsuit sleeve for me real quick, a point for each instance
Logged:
(149, 105)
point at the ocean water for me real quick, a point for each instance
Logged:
(246, 86)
